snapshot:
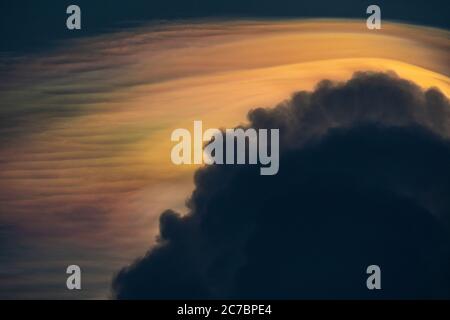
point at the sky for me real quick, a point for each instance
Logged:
(28, 25)
(85, 168)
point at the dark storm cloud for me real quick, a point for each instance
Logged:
(364, 179)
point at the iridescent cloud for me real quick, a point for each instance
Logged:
(85, 129)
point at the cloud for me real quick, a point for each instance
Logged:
(364, 179)
(84, 124)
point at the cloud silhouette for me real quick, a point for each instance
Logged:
(364, 179)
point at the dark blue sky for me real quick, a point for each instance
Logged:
(29, 25)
